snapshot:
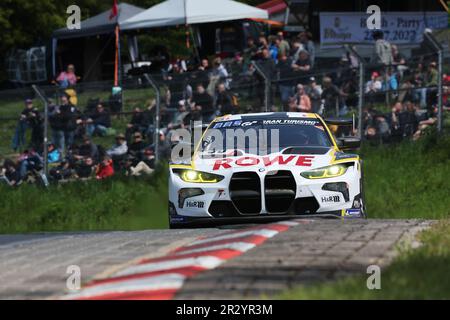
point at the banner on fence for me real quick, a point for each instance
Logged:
(337, 28)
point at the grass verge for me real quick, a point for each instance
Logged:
(421, 273)
(121, 203)
(408, 180)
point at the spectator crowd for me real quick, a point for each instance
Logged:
(226, 85)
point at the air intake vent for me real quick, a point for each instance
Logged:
(245, 192)
(280, 189)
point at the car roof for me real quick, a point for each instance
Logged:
(267, 115)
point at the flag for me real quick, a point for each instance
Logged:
(114, 10)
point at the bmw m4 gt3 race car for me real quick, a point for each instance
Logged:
(267, 166)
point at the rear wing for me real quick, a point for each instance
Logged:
(341, 122)
(345, 142)
(203, 126)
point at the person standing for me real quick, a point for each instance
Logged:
(382, 50)
(22, 125)
(224, 102)
(302, 100)
(204, 102)
(285, 79)
(308, 45)
(69, 121)
(283, 47)
(314, 91)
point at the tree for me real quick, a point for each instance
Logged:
(27, 23)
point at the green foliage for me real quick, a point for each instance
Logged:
(121, 203)
(409, 180)
(25, 23)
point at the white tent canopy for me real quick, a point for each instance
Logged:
(179, 12)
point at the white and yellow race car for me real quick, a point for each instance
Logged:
(267, 166)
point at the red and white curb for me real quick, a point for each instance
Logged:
(160, 278)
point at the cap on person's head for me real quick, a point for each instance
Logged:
(161, 133)
(28, 101)
(375, 74)
(312, 79)
(120, 136)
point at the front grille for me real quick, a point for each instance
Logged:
(245, 192)
(280, 189)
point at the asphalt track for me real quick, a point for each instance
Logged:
(241, 262)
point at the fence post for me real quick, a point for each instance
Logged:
(439, 94)
(360, 98)
(45, 151)
(438, 48)
(266, 85)
(352, 50)
(158, 103)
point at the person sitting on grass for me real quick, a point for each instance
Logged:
(53, 154)
(99, 121)
(431, 120)
(120, 148)
(9, 174)
(138, 123)
(137, 146)
(118, 152)
(29, 161)
(84, 168)
(61, 172)
(67, 78)
(145, 166)
(85, 150)
(105, 169)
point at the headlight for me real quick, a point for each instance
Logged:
(326, 172)
(194, 176)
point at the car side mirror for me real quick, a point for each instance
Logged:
(349, 143)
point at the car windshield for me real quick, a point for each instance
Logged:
(263, 136)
